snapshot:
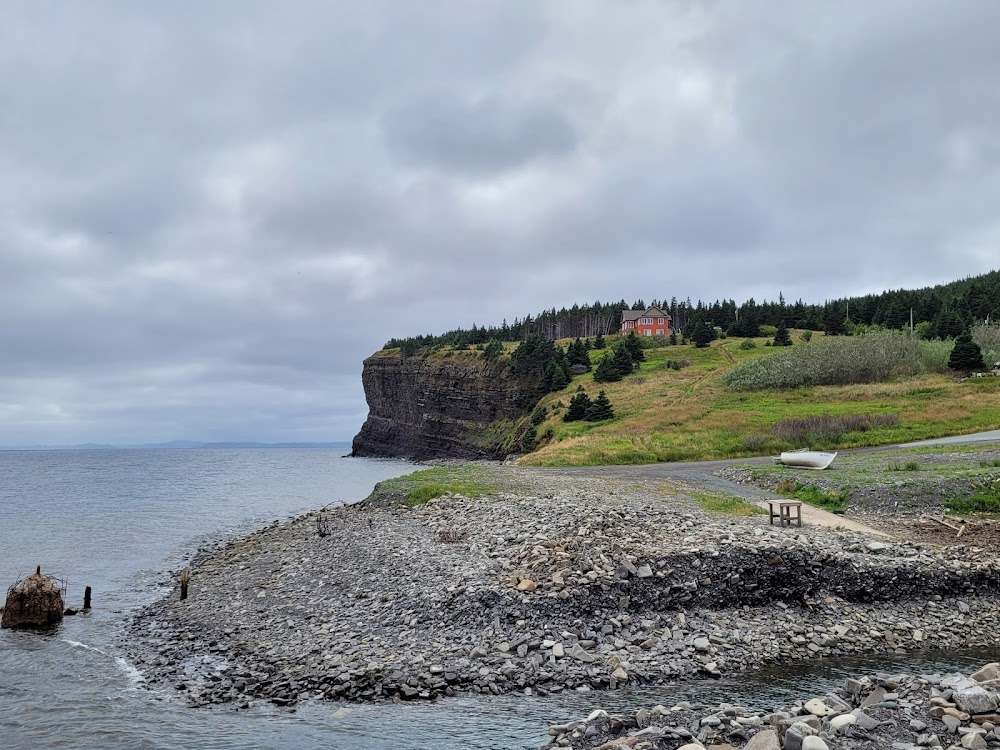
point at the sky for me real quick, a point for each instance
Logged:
(211, 213)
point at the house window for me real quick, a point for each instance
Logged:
(659, 322)
(646, 321)
(659, 331)
(648, 332)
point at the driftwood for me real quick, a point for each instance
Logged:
(941, 521)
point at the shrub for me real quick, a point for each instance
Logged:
(987, 336)
(831, 361)
(538, 415)
(829, 429)
(807, 336)
(767, 331)
(747, 344)
(492, 350)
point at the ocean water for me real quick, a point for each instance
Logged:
(121, 521)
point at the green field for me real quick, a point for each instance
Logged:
(669, 414)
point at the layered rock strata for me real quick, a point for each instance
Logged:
(440, 407)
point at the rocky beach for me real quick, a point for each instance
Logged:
(557, 583)
(902, 712)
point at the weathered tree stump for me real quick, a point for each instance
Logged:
(34, 602)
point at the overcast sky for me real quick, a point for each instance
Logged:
(211, 212)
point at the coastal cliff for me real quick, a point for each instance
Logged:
(457, 406)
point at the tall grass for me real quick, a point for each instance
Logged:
(839, 360)
(826, 428)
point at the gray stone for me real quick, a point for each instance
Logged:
(766, 740)
(975, 700)
(974, 741)
(796, 734)
(986, 673)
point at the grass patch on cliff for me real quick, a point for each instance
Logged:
(727, 504)
(425, 485)
(690, 414)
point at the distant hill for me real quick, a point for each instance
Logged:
(176, 445)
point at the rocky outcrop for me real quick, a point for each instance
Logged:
(34, 602)
(456, 406)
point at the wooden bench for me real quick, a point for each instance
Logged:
(784, 512)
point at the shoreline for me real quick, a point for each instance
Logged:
(569, 583)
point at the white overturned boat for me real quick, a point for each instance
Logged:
(805, 459)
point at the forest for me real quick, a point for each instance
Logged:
(942, 311)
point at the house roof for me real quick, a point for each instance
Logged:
(649, 312)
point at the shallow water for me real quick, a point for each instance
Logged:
(118, 520)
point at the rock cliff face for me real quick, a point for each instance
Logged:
(453, 407)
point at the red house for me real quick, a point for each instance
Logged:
(649, 322)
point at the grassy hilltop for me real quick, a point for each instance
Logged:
(678, 405)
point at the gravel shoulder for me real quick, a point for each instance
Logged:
(895, 491)
(561, 582)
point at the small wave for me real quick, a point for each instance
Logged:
(134, 675)
(77, 644)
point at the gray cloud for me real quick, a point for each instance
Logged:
(477, 137)
(209, 215)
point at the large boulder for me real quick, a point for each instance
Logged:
(35, 601)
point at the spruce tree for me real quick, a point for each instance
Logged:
(599, 342)
(702, 335)
(622, 359)
(635, 347)
(607, 370)
(578, 406)
(560, 377)
(781, 336)
(966, 356)
(600, 409)
(529, 439)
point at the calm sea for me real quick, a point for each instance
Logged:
(120, 521)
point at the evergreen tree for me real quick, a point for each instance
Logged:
(673, 338)
(781, 337)
(560, 377)
(622, 359)
(600, 409)
(578, 406)
(577, 354)
(702, 335)
(599, 342)
(635, 347)
(548, 378)
(493, 350)
(538, 415)
(529, 439)
(966, 356)
(606, 370)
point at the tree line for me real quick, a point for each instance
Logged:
(942, 311)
